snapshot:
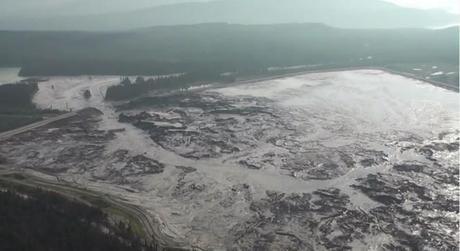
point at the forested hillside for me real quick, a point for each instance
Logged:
(40, 220)
(219, 48)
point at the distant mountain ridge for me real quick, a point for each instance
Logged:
(337, 13)
(55, 8)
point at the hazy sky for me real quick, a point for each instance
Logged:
(77, 7)
(82, 7)
(448, 5)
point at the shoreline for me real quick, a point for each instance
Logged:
(385, 69)
(155, 227)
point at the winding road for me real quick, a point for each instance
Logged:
(152, 231)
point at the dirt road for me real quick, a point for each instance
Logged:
(152, 230)
(9, 134)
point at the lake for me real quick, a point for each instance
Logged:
(9, 75)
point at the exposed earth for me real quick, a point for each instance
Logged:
(362, 160)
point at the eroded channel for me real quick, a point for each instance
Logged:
(325, 161)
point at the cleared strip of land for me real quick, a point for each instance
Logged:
(38, 124)
(141, 221)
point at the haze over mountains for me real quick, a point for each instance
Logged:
(95, 15)
(53, 8)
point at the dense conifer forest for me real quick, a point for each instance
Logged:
(33, 219)
(220, 48)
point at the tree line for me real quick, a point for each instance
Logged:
(18, 95)
(128, 89)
